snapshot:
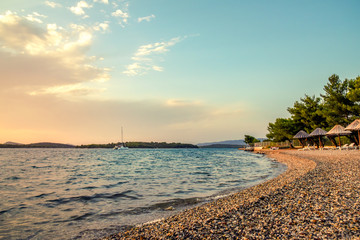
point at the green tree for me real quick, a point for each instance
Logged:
(337, 106)
(308, 114)
(250, 140)
(353, 95)
(340, 104)
(282, 129)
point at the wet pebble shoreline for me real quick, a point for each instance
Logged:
(318, 197)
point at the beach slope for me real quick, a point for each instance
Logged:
(318, 197)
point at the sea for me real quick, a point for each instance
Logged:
(92, 193)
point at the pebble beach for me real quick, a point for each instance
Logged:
(318, 197)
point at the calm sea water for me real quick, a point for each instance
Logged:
(91, 193)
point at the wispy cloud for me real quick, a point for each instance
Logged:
(144, 57)
(52, 4)
(148, 18)
(69, 90)
(159, 47)
(35, 17)
(79, 8)
(102, 1)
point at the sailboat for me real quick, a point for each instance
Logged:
(122, 144)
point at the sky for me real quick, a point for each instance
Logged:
(186, 71)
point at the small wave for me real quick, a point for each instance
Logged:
(236, 181)
(81, 217)
(13, 178)
(115, 185)
(89, 187)
(94, 197)
(76, 218)
(40, 196)
(177, 202)
(6, 211)
(201, 173)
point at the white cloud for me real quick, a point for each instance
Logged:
(148, 18)
(144, 57)
(33, 57)
(102, 1)
(52, 4)
(114, 4)
(101, 26)
(157, 68)
(122, 14)
(133, 69)
(79, 8)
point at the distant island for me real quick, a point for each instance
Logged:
(223, 144)
(108, 145)
(36, 145)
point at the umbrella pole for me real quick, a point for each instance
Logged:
(359, 138)
(356, 140)
(339, 142)
(333, 140)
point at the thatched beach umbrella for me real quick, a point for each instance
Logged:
(337, 130)
(354, 127)
(318, 133)
(301, 135)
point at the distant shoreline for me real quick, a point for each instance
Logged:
(108, 145)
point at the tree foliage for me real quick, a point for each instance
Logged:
(339, 104)
(353, 95)
(308, 114)
(250, 140)
(283, 129)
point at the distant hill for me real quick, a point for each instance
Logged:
(224, 144)
(36, 145)
(13, 143)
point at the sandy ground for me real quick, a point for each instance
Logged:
(318, 197)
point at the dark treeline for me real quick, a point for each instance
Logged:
(37, 145)
(339, 104)
(142, 145)
(107, 145)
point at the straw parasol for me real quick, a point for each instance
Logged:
(337, 130)
(354, 126)
(301, 135)
(318, 133)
